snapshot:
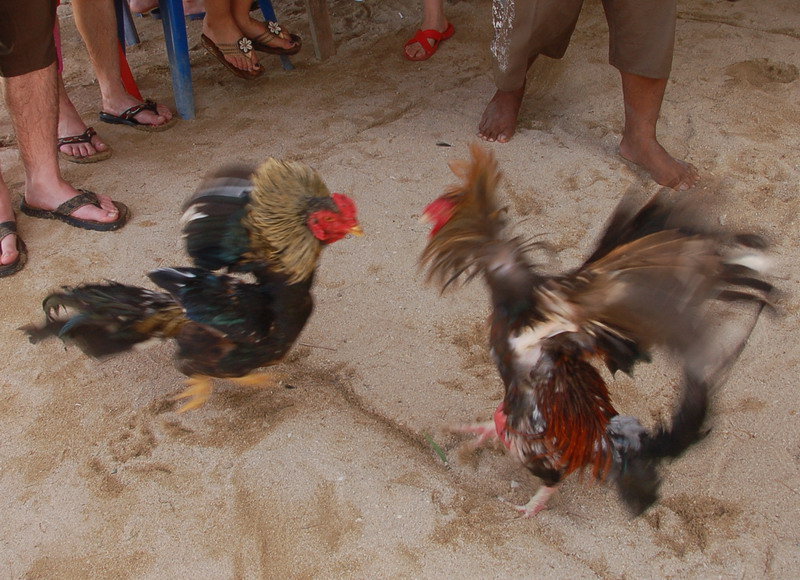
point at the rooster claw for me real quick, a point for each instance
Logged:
(483, 432)
(198, 391)
(537, 503)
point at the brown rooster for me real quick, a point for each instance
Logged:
(648, 284)
(271, 224)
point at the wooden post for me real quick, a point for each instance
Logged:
(319, 19)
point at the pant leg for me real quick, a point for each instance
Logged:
(524, 29)
(641, 36)
(26, 33)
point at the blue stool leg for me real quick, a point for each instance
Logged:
(269, 14)
(178, 52)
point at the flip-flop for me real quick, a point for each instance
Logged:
(425, 37)
(241, 46)
(261, 42)
(127, 117)
(6, 229)
(64, 212)
(85, 137)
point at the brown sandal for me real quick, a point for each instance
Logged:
(274, 30)
(242, 46)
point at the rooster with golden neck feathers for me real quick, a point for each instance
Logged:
(273, 224)
(649, 283)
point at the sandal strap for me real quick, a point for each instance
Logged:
(85, 197)
(7, 228)
(242, 47)
(265, 37)
(130, 113)
(85, 137)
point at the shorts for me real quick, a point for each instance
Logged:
(641, 35)
(26, 36)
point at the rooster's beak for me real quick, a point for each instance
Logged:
(356, 231)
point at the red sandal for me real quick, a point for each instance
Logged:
(429, 40)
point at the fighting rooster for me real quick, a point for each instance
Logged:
(649, 283)
(271, 224)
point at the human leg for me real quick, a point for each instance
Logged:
(523, 30)
(32, 100)
(87, 147)
(433, 18)
(642, 97)
(96, 21)
(641, 43)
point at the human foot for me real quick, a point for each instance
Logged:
(499, 120)
(662, 167)
(77, 142)
(9, 241)
(13, 254)
(147, 115)
(86, 147)
(271, 37)
(426, 40)
(230, 45)
(42, 199)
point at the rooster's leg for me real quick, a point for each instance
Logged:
(483, 432)
(537, 503)
(258, 380)
(198, 390)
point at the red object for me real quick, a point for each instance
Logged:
(429, 41)
(127, 75)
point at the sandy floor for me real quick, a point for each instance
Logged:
(335, 478)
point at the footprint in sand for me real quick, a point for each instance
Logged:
(762, 72)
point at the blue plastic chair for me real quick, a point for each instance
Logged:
(172, 18)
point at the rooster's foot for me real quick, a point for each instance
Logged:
(259, 380)
(537, 503)
(483, 432)
(199, 389)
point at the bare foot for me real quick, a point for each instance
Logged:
(120, 102)
(499, 120)
(662, 167)
(50, 196)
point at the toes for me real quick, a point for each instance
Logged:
(9, 250)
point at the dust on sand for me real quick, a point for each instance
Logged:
(335, 478)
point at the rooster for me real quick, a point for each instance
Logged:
(272, 225)
(649, 283)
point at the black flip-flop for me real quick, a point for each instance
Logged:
(64, 211)
(127, 117)
(6, 229)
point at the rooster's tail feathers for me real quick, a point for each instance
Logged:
(105, 319)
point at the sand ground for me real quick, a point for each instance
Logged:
(336, 478)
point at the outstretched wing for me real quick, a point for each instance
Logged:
(653, 275)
